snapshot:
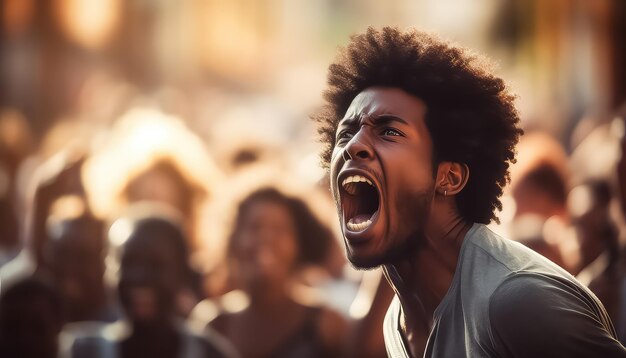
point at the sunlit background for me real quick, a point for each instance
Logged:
(215, 60)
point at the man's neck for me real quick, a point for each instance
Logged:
(422, 280)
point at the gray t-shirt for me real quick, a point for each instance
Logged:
(505, 300)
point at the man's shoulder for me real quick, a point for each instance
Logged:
(529, 292)
(484, 247)
(488, 261)
(531, 313)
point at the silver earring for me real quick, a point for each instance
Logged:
(445, 193)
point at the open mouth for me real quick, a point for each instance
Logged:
(360, 202)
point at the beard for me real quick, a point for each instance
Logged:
(403, 242)
(393, 254)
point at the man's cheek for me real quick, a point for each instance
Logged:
(334, 172)
(414, 204)
(333, 158)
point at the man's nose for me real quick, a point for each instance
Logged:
(358, 147)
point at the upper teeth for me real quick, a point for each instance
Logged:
(354, 179)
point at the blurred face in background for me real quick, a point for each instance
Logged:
(162, 183)
(265, 248)
(151, 275)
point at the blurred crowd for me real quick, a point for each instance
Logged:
(151, 212)
(149, 244)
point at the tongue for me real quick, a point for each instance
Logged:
(361, 218)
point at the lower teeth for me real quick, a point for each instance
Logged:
(358, 227)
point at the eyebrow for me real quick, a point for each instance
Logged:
(387, 118)
(377, 119)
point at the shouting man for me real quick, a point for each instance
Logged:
(419, 139)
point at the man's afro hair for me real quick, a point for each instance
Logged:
(470, 113)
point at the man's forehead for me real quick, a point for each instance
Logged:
(376, 101)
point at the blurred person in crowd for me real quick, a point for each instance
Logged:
(322, 271)
(59, 176)
(169, 164)
(31, 318)
(620, 172)
(9, 227)
(74, 257)
(55, 171)
(163, 181)
(368, 310)
(540, 177)
(153, 271)
(419, 136)
(599, 243)
(598, 165)
(16, 144)
(274, 236)
(620, 169)
(589, 205)
(539, 196)
(539, 186)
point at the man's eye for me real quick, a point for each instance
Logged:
(391, 132)
(344, 135)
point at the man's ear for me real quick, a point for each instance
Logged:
(451, 178)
